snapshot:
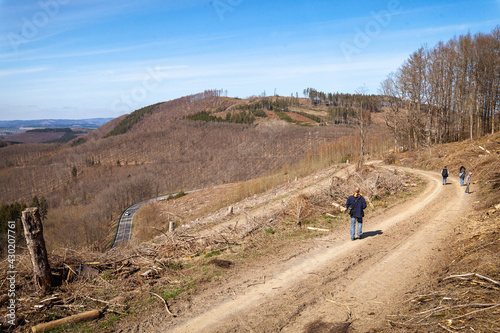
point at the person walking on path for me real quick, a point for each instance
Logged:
(355, 206)
(461, 175)
(467, 182)
(444, 173)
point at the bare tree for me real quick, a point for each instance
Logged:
(451, 91)
(362, 120)
(393, 98)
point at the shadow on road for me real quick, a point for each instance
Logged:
(372, 233)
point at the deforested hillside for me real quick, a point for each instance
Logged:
(158, 150)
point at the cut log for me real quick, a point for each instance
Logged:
(319, 229)
(33, 232)
(89, 315)
(341, 208)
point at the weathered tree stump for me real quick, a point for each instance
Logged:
(33, 232)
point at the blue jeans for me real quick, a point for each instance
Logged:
(444, 180)
(461, 181)
(353, 226)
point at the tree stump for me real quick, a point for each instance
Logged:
(33, 232)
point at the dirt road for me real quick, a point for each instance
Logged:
(338, 283)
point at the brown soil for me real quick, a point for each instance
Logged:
(330, 284)
(299, 117)
(271, 114)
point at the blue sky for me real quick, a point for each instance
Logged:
(86, 58)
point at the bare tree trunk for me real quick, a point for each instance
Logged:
(362, 134)
(33, 232)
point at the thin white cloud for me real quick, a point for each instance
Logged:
(54, 56)
(457, 28)
(20, 71)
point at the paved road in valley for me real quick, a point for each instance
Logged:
(124, 230)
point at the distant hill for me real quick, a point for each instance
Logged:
(14, 130)
(56, 123)
(46, 135)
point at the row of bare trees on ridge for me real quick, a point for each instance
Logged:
(446, 93)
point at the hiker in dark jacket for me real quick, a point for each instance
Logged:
(461, 175)
(444, 173)
(358, 204)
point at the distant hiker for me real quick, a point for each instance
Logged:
(461, 175)
(444, 173)
(355, 205)
(467, 182)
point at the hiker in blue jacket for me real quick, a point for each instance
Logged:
(358, 204)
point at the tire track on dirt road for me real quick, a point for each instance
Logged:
(367, 277)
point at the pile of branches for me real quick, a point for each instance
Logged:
(75, 281)
(465, 302)
(374, 183)
(182, 244)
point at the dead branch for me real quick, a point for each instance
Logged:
(70, 271)
(472, 312)
(473, 274)
(123, 259)
(164, 302)
(97, 300)
(440, 308)
(446, 328)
